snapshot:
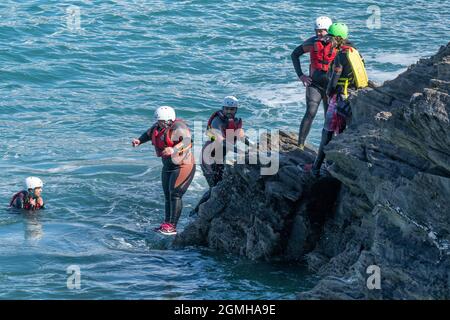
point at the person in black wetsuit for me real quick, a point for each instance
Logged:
(221, 123)
(172, 140)
(218, 124)
(29, 199)
(321, 55)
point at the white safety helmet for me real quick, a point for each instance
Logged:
(165, 113)
(230, 102)
(33, 183)
(323, 22)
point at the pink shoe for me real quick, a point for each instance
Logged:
(168, 229)
(163, 225)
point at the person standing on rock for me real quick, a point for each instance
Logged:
(347, 73)
(223, 129)
(172, 140)
(321, 54)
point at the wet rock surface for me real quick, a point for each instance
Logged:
(383, 202)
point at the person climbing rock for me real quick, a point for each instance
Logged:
(321, 54)
(347, 73)
(223, 129)
(172, 140)
(29, 199)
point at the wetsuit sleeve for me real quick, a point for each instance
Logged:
(146, 136)
(247, 141)
(337, 71)
(218, 124)
(17, 200)
(295, 56)
(219, 127)
(299, 51)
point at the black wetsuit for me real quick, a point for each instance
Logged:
(175, 177)
(214, 172)
(315, 93)
(341, 68)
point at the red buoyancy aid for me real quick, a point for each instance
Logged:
(322, 55)
(24, 198)
(231, 124)
(161, 138)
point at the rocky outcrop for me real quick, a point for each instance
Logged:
(383, 205)
(262, 216)
(393, 210)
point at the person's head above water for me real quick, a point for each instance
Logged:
(321, 26)
(165, 115)
(34, 184)
(230, 106)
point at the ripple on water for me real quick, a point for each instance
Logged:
(72, 99)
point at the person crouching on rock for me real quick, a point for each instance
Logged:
(347, 73)
(172, 140)
(221, 123)
(29, 199)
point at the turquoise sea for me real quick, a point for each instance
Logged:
(80, 79)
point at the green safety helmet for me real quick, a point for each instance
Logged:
(338, 29)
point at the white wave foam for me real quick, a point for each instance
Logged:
(380, 76)
(280, 102)
(397, 58)
(275, 96)
(63, 168)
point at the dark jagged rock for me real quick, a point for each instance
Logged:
(393, 212)
(259, 216)
(383, 203)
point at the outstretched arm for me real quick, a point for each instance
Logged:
(145, 137)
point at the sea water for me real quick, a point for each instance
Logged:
(80, 79)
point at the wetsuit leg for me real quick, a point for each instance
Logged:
(326, 138)
(324, 102)
(208, 172)
(207, 169)
(202, 200)
(213, 172)
(313, 98)
(165, 178)
(179, 182)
